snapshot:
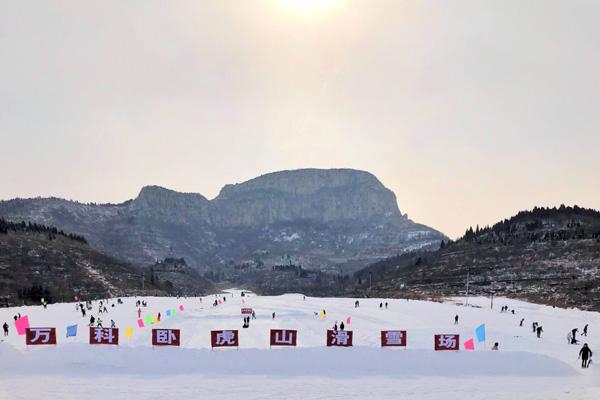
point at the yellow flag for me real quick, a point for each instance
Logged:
(321, 314)
(128, 332)
(155, 319)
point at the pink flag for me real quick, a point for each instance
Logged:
(21, 324)
(348, 320)
(140, 323)
(181, 307)
(220, 301)
(470, 345)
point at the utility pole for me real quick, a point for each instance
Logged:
(492, 302)
(468, 273)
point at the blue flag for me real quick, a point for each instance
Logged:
(168, 313)
(72, 330)
(480, 332)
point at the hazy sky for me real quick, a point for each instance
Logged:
(468, 110)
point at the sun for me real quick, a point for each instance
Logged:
(310, 6)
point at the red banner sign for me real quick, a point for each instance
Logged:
(339, 338)
(447, 342)
(40, 336)
(393, 338)
(104, 335)
(283, 337)
(246, 311)
(166, 337)
(224, 338)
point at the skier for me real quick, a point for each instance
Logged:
(584, 333)
(92, 319)
(99, 323)
(534, 326)
(324, 313)
(495, 346)
(585, 354)
(83, 312)
(253, 315)
(5, 327)
(139, 313)
(456, 320)
(335, 327)
(574, 336)
(112, 324)
(342, 326)
(273, 314)
(539, 331)
(105, 310)
(380, 306)
(522, 320)
(158, 317)
(386, 304)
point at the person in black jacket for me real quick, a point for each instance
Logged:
(586, 356)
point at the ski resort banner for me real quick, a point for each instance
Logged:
(104, 335)
(446, 342)
(246, 311)
(224, 338)
(339, 338)
(393, 338)
(40, 336)
(283, 337)
(166, 337)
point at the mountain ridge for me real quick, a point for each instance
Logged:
(333, 217)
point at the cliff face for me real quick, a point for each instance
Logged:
(322, 218)
(321, 196)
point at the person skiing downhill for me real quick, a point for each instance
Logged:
(574, 336)
(139, 313)
(539, 331)
(342, 326)
(92, 319)
(5, 327)
(522, 320)
(586, 356)
(584, 333)
(456, 320)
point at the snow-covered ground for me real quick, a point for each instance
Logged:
(525, 367)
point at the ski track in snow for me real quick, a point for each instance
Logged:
(524, 368)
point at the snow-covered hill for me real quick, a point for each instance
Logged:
(525, 367)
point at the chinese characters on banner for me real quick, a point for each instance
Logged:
(40, 336)
(447, 342)
(339, 338)
(104, 335)
(224, 338)
(246, 311)
(283, 337)
(393, 338)
(165, 337)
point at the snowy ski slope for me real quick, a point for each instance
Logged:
(525, 367)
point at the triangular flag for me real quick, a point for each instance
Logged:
(470, 345)
(140, 323)
(480, 332)
(181, 306)
(348, 320)
(72, 330)
(128, 332)
(21, 324)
